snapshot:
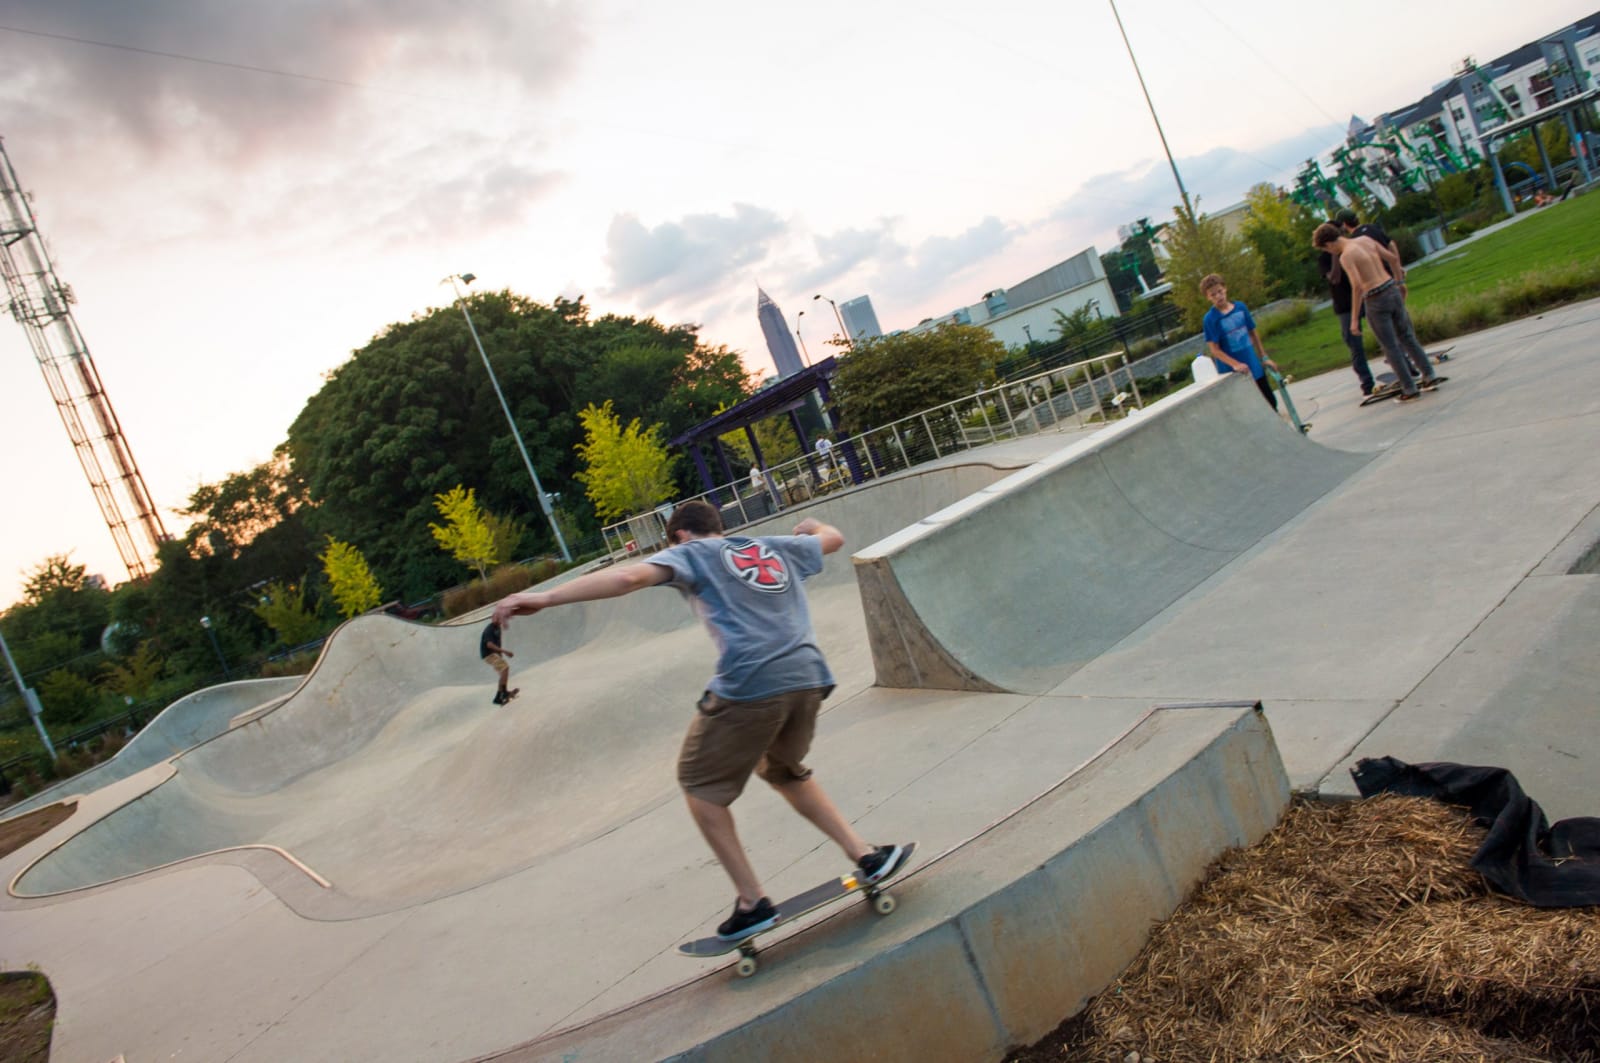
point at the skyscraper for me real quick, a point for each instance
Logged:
(780, 341)
(859, 318)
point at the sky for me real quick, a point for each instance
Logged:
(240, 195)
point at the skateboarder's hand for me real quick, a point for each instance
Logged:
(525, 603)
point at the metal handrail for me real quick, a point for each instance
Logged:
(1065, 398)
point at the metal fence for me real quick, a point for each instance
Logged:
(1059, 399)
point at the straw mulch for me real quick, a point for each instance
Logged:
(1354, 931)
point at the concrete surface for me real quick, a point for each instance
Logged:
(184, 724)
(504, 883)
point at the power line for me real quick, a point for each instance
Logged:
(270, 71)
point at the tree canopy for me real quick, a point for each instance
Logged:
(1279, 229)
(890, 377)
(1199, 245)
(413, 413)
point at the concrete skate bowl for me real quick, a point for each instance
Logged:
(1083, 548)
(184, 724)
(391, 776)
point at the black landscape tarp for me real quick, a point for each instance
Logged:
(1523, 856)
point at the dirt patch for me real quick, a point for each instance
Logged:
(15, 833)
(27, 1014)
(1353, 931)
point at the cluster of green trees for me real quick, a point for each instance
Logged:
(398, 479)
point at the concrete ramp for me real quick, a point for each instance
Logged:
(192, 719)
(1066, 558)
(390, 774)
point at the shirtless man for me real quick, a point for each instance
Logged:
(1383, 292)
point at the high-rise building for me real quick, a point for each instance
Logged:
(780, 341)
(859, 319)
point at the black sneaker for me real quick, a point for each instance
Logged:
(500, 697)
(742, 924)
(882, 862)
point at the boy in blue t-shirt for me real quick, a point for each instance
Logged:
(759, 711)
(1231, 337)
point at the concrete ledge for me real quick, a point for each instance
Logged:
(995, 941)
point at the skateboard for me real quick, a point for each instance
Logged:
(1443, 354)
(1384, 386)
(817, 897)
(1281, 382)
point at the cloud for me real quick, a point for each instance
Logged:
(689, 259)
(841, 252)
(1218, 178)
(231, 90)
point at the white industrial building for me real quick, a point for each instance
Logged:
(1026, 312)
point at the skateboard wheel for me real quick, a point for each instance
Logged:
(746, 966)
(883, 904)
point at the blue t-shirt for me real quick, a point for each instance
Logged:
(748, 593)
(1231, 332)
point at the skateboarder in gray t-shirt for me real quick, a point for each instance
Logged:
(759, 711)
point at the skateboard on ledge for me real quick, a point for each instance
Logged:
(820, 896)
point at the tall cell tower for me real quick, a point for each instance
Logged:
(42, 306)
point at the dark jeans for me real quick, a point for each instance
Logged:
(1266, 389)
(1386, 312)
(1358, 353)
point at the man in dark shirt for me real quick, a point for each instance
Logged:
(494, 655)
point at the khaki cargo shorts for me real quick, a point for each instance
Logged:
(499, 664)
(729, 740)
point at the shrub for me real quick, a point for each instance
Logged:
(1293, 315)
(1406, 245)
(294, 664)
(507, 579)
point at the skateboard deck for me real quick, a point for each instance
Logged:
(1281, 382)
(802, 903)
(1442, 354)
(1384, 386)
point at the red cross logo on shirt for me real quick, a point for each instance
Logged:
(756, 566)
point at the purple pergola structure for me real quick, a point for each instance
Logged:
(786, 396)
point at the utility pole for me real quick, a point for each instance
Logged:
(1183, 192)
(42, 305)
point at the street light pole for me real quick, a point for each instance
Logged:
(538, 488)
(205, 622)
(1188, 208)
(29, 698)
(842, 330)
(801, 338)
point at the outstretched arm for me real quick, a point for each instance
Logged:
(611, 583)
(832, 538)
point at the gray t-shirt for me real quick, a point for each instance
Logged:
(747, 591)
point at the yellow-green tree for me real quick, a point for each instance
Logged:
(136, 675)
(467, 534)
(1199, 245)
(283, 608)
(627, 468)
(354, 587)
